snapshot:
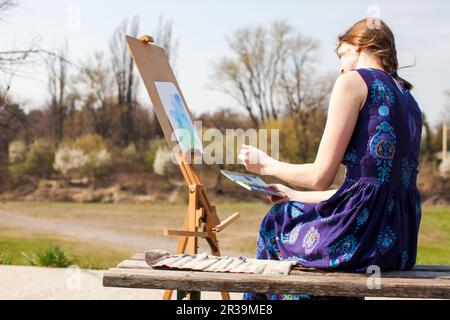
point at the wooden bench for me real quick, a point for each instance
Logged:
(423, 281)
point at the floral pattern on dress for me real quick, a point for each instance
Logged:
(311, 240)
(382, 146)
(386, 240)
(297, 210)
(362, 218)
(260, 244)
(407, 169)
(391, 204)
(381, 94)
(403, 260)
(383, 111)
(342, 250)
(291, 237)
(411, 126)
(271, 243)
(350, 157)
(418, 209)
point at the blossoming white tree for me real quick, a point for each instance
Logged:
(68, 160)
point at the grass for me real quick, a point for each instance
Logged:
(151, 220)
(434, 236)
(53, 256)
(49, 250)
(5, 259)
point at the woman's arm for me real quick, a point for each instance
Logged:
(349, 94)
(302, 196)
(314, 196)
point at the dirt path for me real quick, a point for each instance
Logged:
(95, 233)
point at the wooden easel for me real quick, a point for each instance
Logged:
(153, 65)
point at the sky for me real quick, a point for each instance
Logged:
(421, 28)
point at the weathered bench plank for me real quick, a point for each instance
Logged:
(433, 268)
(141, 264)
(421, 282)
(311, 283)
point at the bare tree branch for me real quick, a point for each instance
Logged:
(57, 88)
(7, 5)
(270, 70)
(125, 75)
(164, 37)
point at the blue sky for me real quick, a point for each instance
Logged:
(422, 29)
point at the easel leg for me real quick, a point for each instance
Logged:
(225, 296)
(199, 209)
(181, 249)
(191, 295)
(182, 243)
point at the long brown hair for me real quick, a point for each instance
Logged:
(376, 38)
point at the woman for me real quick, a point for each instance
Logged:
(374, 128)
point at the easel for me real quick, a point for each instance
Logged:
(153, 65)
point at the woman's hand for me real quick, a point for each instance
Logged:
(290, 193)
(257, 161)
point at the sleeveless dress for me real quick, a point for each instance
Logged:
(374, 217)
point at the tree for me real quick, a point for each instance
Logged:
(11, 121)
(165, 38)
(12, 118)
(57, 88)
(11, 62)
(5, 59)
(94, 89)
(272, 75)
(7, 5)
(426, 148)
(271, 71)
(10, 114)
(125, 76)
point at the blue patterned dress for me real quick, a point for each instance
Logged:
(374, 217)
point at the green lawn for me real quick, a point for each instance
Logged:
(15, 242)
(150, 220)
(434, 236)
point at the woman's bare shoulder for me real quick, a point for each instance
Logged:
(352, 85)
(351, 79)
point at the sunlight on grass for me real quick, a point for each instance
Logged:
(434, 236)
(39, 249)
(151, 220)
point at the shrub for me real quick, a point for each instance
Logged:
(88, 156)
(129, 159)
(444, 168)
(68, 160)
(99, 164)
(17, 152)
(150, 154)
(39, 159)
(130, 153)
(162, 161)
(90, 143)
(52, 256)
